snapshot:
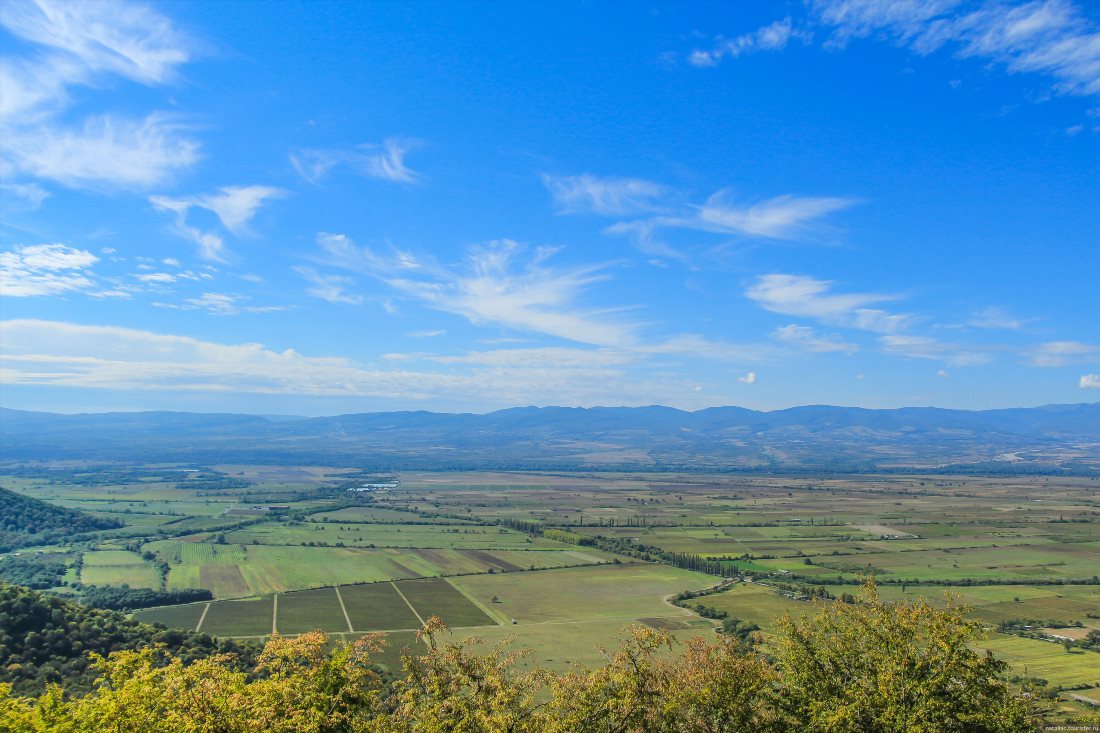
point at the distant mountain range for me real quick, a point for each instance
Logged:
(812, 438)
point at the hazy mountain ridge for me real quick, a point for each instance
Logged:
(809, 437)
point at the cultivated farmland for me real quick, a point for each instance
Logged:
(287, 549)
(118, 567)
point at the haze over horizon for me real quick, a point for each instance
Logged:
(292, 416)
(270, 208)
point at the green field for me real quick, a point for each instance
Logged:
(439, 536)
(1063, 604)
(181, 617)
(438, 597)
(118, 567)
(755, 603)
(617, 592)
(561, 645)
(1046, 660)
(377, 607)
(234, 570)
(251, 617)
(375, 515)
(371, 607)
(309, 610)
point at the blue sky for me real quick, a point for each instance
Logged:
(317, 208)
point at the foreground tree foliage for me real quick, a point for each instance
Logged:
(907, 668)
(868, 667)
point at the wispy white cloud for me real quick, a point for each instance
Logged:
(503, 340)
(1049, 37)
(643, 233)
(782, 217)
(34, 89)
(36, 352)
(550, 357)
(696, 346)
(565, 375)
(88, 44)
(23, 196)
(1089, 381)
(787, 217)
(880, 321)
(504, 283)
(331, 288)
(656, 208)
(495, 286)
(106, 150)
(120, 38)
(156, 277)
(210, 244)
(220, 304)
(55, 257)
(925, 347)
(1061, 353)
(772, 37)
(800, 295)
(996, 318)
(112, 294)
(385, 161)
(501, 283)
(110, 357)
(314, 165)
(607, 196)
(749, 378)
(235, 206)
(45, 269)
(862, 18)
(389, 163)
(427, 333)
(805, 338)
(342, 251)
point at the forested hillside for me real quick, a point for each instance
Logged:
(25, 521)
(46, 639)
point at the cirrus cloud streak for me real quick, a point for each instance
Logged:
(89, 44)
(59, 354)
